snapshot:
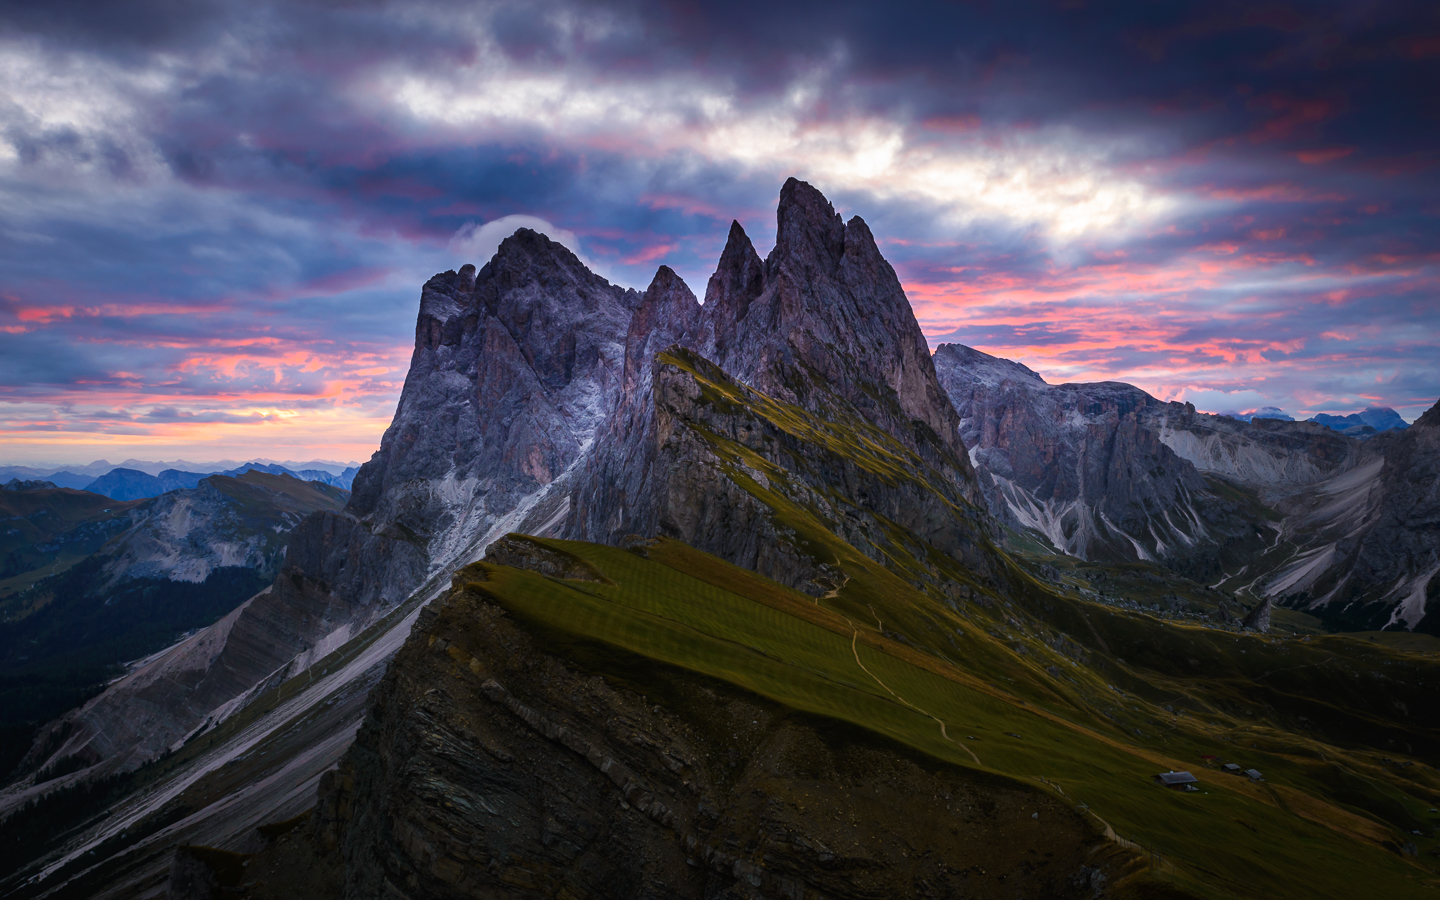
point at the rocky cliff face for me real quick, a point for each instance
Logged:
(824, 324)
(612, 496)
(1084, 465)
(1403, 546)
(491, 768)
(788, 359)
(515, 368)
(1341, 527)
(752, 480)
(1364, 545)
(1269, 455)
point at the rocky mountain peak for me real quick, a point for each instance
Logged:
(739, 278)
(830, 322)
(808, 228)
(527, 250)
(982, 367)
(668, 314)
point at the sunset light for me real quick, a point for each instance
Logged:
(196, 247)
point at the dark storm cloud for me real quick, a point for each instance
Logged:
(212, 201)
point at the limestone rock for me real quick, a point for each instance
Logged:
(612, 496)
(822, 326)
(1377, 531)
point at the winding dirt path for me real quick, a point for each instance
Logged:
(855, 650)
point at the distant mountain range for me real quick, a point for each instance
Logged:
(1374, 420)
(135, 480)
(1264, 412)
(1371, 421)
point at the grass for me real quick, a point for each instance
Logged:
(68, 524)
(1289, 836)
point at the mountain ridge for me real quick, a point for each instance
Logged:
(1334, 523)
(775, 547)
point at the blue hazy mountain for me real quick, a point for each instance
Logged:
(1362, 424)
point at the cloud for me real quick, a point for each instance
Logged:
(477, 243)
(1222, 402)
(226, 211)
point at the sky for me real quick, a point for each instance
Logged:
(215, 217)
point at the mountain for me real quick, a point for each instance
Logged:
(1264, 412)
(157, 568)
(642, 597)
(518, 368)
(512, 373)
(1363, 548)
(89, 473)
(1089, 468)
(132, 484)
(1296, 512)
(1372, 420)
(342, 480)
(81, 477)
(60, 478)
(48, 529)
(788, 363)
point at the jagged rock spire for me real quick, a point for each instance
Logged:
(668, 314)
(808, 229)
(739, 278)
(827, 322)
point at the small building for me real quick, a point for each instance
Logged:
(1231, 768)
(1253, 773)
(1177, 781)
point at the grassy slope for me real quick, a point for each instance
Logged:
(1102, 698)
(30, 518)
(691, 610)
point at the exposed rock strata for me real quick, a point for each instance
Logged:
(823, 326)
(514, 369)
(1403, 546)
(1105, 471)
(1269, 455)
(610, 499)
(729, 460)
